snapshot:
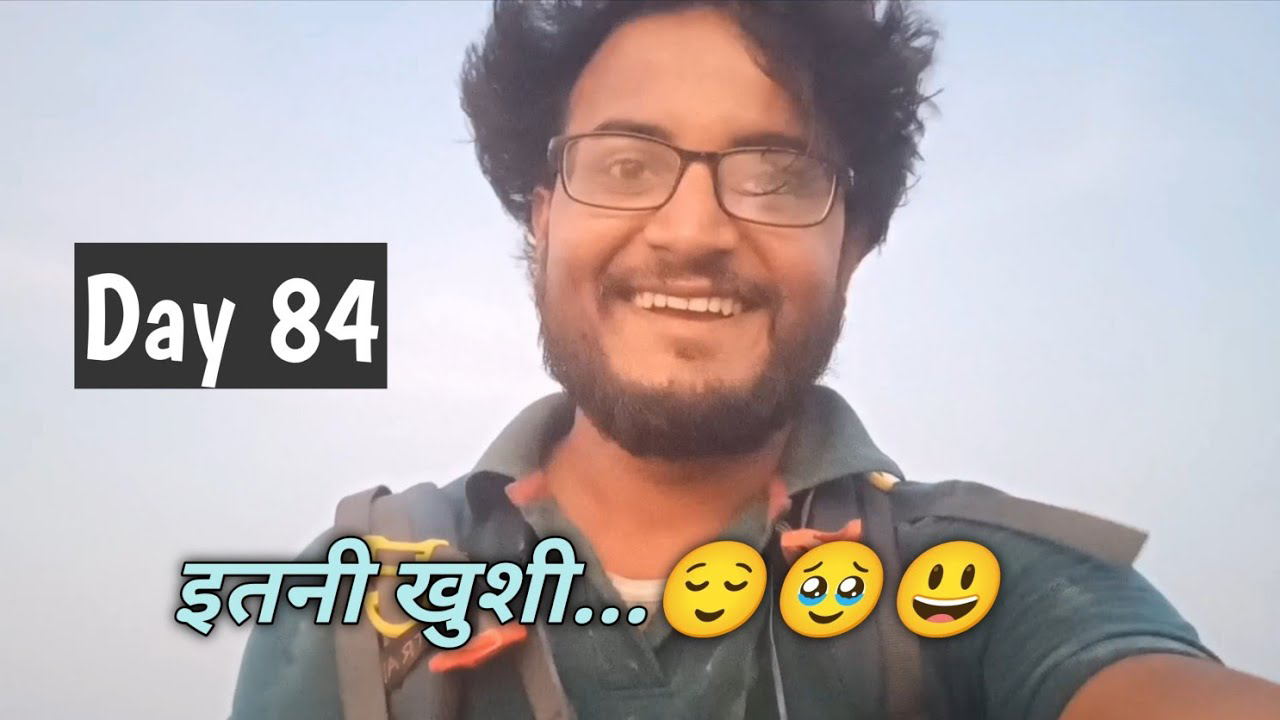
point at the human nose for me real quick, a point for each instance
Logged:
(692, 221)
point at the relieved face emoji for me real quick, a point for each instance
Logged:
(948, 589)
(831, 589)
(714, 589)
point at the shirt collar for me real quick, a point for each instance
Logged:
(827, 442)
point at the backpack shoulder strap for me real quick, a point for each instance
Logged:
(421, 510)
(355, 511)
(1102, 539)
(900, 649)
(370, 668)
(359, 653)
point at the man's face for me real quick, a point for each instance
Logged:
(672, 382)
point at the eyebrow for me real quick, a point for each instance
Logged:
(632, 126)
(859, 567)
(815, 567)
(744, 566)
(694, 566)
(764, 138)
(773, 140)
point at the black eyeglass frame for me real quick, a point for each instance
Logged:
(558, 145)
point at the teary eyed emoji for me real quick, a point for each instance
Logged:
(831, 589)
(948, 589)
(714, 589)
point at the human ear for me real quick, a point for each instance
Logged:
(540, 215)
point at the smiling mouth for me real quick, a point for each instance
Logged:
(704, 307)
(941, 611)
(824, 619)
(707, 616)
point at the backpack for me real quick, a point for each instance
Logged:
(370, 665)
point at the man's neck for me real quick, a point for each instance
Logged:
(622, 503)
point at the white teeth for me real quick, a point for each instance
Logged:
(720, 305)
(936, 602)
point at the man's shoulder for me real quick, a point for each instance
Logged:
(289, 669)
(1069, 603)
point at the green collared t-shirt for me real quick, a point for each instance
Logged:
(1061, 614)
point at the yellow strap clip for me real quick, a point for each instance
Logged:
(422, 552)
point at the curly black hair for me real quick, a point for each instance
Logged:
(854, 66)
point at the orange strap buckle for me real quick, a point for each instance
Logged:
(482, 648)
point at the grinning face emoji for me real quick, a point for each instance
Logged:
(714, 589)
(831, 589)
(948, 589)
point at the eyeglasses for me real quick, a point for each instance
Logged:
(764, 185)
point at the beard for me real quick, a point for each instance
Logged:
(676, 422)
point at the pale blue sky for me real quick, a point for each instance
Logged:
(1078, 305)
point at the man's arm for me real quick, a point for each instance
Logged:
(1063, 621)
(1173, 687)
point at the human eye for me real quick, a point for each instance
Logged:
(622, 164)
(779, 172)
(628, 168)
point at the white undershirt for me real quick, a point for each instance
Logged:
(639, 592)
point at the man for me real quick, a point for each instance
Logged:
(699, 183)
